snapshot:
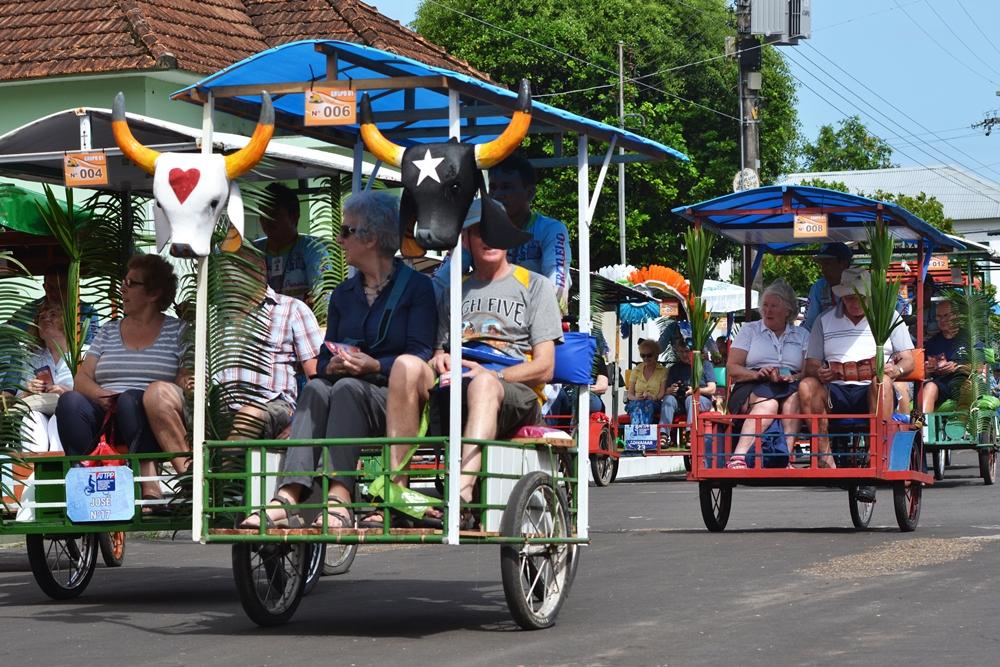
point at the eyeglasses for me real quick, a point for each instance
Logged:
(648, 356)
(128, 282)
(346, 231)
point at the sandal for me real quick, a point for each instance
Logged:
(738, 462)
(333, 517)
(155, 510)
(407, 521)
(468, 521)
(287, 521)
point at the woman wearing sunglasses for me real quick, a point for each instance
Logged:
(646, 384)
(386, 309)
(124, 358)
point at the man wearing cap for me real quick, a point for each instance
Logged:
(833, 258)
(840, 360)
(507, 308)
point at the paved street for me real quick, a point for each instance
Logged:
(788, 583)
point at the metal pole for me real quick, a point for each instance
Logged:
(621, 152)
(583, 402)
(455, 350)
(200, 356)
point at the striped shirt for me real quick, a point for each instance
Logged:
(293, 336)
(120, 368)
(836, 339)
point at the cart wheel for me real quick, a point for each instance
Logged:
(988, 465)
(62, 564)
(861, 510)
(947, 458)
(687, 463)
(716, 503)
(906, 495)
(536, 577)
(317, 554)
(112, 548)
(339, 558)
(603, 466)
(939, 458)
(270, 578)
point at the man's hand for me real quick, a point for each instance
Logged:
(826, 374)
(671, 389)
(947, 367)
(441, 362)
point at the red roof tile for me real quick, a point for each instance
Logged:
(44, 38)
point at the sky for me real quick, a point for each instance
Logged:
(932, 67)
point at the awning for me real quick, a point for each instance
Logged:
(721, 297)
(765, 216)
(410, 110)
(35, 151)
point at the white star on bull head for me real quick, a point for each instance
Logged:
(428, 167)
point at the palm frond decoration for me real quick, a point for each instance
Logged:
(976, 405)
(699, 249)
(325, 218)
(16, 347)
(880, 304)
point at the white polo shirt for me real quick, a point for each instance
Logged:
(835, 338)
(765, 348)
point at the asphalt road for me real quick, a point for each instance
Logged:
(788, 583)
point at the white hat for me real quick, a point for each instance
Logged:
(853, 280)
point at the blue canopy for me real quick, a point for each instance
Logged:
(764, 217)
(409, 112)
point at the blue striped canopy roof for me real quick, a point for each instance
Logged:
(415, 115)
(764, 216)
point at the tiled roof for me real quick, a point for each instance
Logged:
(963, 195)
(44, 38)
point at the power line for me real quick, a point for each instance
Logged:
(944, 174)
(956, 36)
(975, 24)
(883, 99)
(940, 46)
(580, 60)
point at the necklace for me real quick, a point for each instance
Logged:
(377, 288)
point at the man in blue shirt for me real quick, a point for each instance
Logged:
(295, 262)
(833, 258)
(547, 252)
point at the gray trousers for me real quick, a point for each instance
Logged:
(350, 408)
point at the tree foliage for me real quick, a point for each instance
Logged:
(850, 147)
(672, 51)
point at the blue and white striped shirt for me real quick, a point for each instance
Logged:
(120, 368)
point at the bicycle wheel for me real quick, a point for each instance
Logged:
(861, 510)
(62, 564)
(716, 503)
(112, 548)
(536, 576)
(270, 579)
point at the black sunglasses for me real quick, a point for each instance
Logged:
(346, 231)
(648, 356)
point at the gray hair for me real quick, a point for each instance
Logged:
(379, 212)
(783, 291)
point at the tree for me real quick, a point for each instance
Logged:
(848, 148)
(673, 51)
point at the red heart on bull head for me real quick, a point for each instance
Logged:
(183, 182)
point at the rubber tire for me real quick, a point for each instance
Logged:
(687, 462)
(339, 558)
(602, 466)
(112, 548)
(938, 459)
(988, 465)
(85, 547)
(259, 611)
(523, 499)
(861, 511)
(716, 504)
(317, 554)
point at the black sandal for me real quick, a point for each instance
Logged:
(289, 521)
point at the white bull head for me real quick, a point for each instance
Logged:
(192, 189)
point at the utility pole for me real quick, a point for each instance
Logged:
(749, 57)
(621, 153)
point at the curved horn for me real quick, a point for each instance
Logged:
(247, 157)
(493, 152)
(375, 141)
(144, 157)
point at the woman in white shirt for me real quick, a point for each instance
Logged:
(50, 378)
(765, 364)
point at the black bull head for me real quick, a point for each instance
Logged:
(440, 181)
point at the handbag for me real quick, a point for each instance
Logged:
(107, 443)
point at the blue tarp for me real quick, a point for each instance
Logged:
(764, 217)
(416, 115)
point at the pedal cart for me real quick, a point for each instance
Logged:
(71, 509)
(868, 450)
(533, 498)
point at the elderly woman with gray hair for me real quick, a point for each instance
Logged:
(386, 309)
(765, 365)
